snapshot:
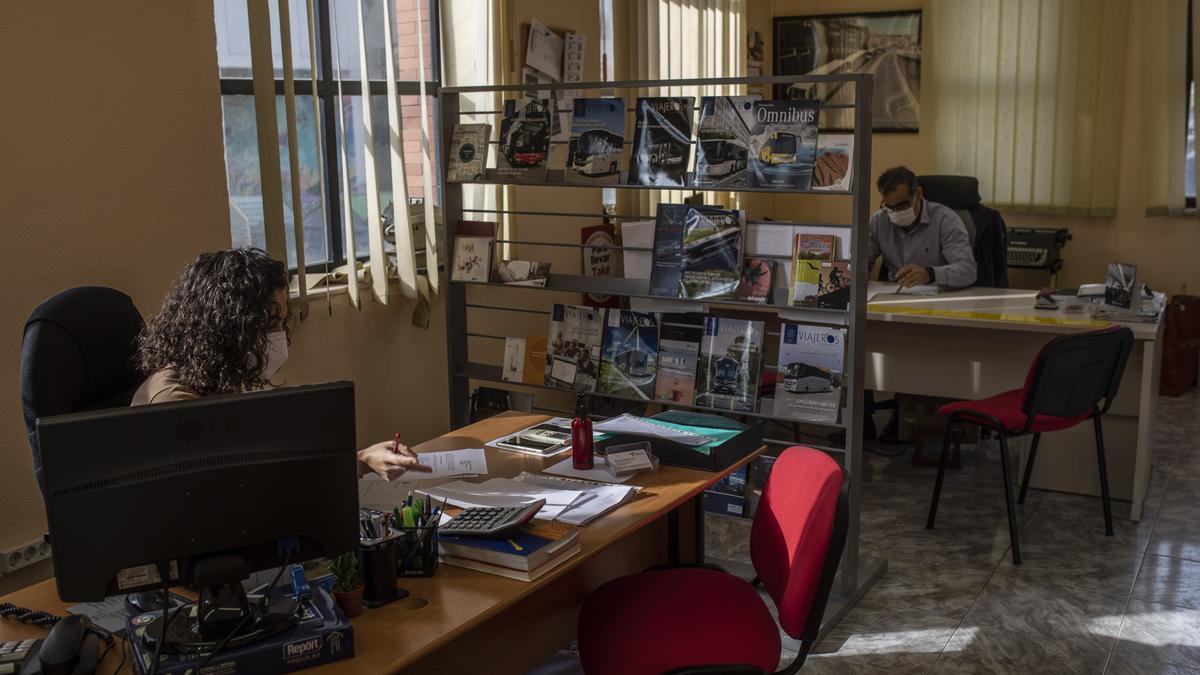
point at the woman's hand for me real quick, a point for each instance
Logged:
(388, 463)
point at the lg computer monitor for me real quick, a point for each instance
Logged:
(211, 489)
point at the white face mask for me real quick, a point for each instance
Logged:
(903, 218)
(277, 353)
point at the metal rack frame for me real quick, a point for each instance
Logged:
(858, 574)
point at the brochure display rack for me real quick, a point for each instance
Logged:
(481, 312)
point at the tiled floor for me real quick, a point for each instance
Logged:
(1082, 602)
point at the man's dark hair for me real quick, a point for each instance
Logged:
(212, 327)
(895, 177)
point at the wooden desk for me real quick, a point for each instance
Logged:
(461, 621)
(976, 342)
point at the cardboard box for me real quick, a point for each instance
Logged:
(322, 636)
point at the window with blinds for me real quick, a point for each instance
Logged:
(343, 61)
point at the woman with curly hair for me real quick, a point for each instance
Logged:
(224, 328)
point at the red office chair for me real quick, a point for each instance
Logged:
(698, 619)
(1073, 378)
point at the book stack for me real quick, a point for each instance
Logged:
(534, 550)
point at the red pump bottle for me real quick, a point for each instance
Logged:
(582, 457)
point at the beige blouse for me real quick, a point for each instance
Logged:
(161, 387)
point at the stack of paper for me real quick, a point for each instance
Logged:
(633, 425)
(600, 498)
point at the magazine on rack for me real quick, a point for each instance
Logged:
(730, 361)
(723, 141)
(834, 287)
(662, 141)
(597, 141)
(808, 252)
(468, 152)
(629, 354)
(755, 285)
(783, 144)
(697, 252)
(833, 169)
(600, 259)
(573, 347)
(472, 259)
(809, 381)
(679, 337)
(524, 141)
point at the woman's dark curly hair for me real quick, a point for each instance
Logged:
(212, 328)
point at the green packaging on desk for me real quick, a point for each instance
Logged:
(732, 440)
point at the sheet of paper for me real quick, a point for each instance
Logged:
(469, 462)
(639, 426)
(545, 50)
(599, 472)
(601, 498)
(381, 495)
(923, 289)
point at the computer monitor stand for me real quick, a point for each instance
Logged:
(224, 614)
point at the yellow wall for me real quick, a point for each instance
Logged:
(113, 174)
(1164, 248)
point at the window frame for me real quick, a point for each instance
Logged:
(1189, 100)
(327, 91)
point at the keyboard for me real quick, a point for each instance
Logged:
(14, 653)
(495, 521)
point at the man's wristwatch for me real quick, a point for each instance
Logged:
(932, 278)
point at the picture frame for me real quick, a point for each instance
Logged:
(885, 43)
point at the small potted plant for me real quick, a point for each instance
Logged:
(347, 584)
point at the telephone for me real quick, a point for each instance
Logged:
(71, 648)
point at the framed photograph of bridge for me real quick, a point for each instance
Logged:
(886, 44)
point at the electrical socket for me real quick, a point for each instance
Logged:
(15, 558)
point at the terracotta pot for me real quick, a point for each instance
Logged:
(350, 602)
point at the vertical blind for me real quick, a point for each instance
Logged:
(1164, 97)
(382, 267)
(1027, 96)
(681, 39)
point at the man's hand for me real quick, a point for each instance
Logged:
(389, 464)
(912, 275)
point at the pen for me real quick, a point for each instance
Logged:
(396, 443)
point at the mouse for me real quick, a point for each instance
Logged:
(68, 647)
(144, 603)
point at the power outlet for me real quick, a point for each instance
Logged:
(15, 558)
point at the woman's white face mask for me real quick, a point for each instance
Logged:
(277, 353)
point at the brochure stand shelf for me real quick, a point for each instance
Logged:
(640, 288)
(464, 301)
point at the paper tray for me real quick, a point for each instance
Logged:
(676, 454)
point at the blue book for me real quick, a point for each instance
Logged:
(629, 354)
(523, 551)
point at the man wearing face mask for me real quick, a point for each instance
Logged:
(222, 329)
(922, 242)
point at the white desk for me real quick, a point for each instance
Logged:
(980, 341)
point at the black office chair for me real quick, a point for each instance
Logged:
(985, 226)
(78, 354)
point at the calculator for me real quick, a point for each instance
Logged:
(493, 521)
(13, 654)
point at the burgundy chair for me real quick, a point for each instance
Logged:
(1073, 378)
(698, 619)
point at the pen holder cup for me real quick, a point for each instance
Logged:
(417, 551)
(377, 565)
